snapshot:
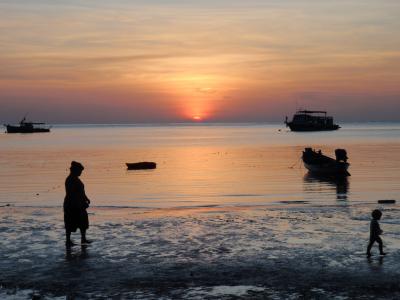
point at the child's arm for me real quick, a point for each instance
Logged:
(375, 229)
(379, 230)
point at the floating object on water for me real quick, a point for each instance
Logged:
(389, 201)
(317, 163)
(307, 120)
(144, 165)
(26, 127)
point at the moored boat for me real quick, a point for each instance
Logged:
(311, 120)
(318, 163)
(144, 165)
(26, 127)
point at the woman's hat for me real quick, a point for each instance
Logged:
(76, 166)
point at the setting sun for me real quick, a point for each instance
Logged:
(196, 118)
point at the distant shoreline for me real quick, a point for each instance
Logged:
(172, 124)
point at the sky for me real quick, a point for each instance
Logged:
(97, 61)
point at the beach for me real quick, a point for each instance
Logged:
(229, 213)
(295, 251)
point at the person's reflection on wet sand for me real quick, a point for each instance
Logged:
(71, 255)
(84, 253)
(374, 266)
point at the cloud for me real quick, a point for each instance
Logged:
(189, 52)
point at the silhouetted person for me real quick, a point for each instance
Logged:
(75, 204)
(375, 232)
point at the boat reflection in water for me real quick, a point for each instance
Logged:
(316, 183)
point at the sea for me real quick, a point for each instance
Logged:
(197, 164)
(230, 212)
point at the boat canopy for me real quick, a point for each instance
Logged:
(311, 112)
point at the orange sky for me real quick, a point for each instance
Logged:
(176, 61)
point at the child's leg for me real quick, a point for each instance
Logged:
(371, 242)
(379, 240)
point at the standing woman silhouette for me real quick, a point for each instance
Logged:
(75, 204)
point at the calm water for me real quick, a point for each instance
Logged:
(199, 165)
(253, 244)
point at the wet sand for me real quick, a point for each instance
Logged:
(291, 251)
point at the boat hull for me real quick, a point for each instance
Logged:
(311, 127)
(144, 165)
(18, 129)
(334, 168)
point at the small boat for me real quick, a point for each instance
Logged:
(144, 165)
(317, 163)
(386, 201)
(26, 127)
(311, 120)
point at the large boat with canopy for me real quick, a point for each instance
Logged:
(27, 127)
(311, 120)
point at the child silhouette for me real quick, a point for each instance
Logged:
(375, 232)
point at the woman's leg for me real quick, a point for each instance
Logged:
(83, 237)
(84, 225)
(68, 241)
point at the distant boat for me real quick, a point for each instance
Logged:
(320, 164)
(141, 165)
(311, 120)
(26, 127)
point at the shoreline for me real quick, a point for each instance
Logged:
(283, 252)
